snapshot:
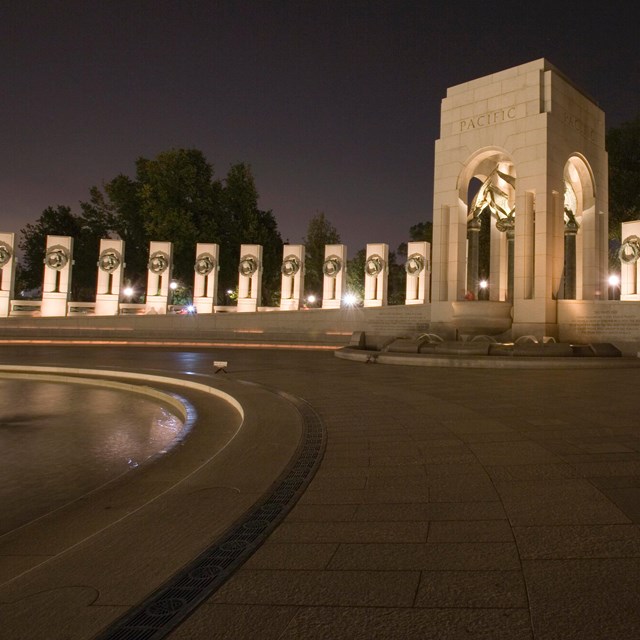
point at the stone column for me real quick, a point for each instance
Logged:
(507, 226)
(629, 255)
(334, 271)
(510, 263)
(250, 277)
(56, 288)
(473, 260)
(292, 286)
(110, 275)
(418, 272)
(159, 269)
(570, 232)
(7, 272)
(205, 282)
(376, 275)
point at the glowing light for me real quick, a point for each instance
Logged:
(190, 309)
(614, 280)
(128, 291)
(173, 285)
(484, 284)
(311, 299)
(350, 299)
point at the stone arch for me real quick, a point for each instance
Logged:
(489, 165)
(580, 229)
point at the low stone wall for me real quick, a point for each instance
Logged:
(613, 321)
(579, 322)
(312, 326)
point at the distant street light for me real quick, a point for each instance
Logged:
(614, 287)
(350, 299)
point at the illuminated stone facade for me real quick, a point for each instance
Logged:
(543, 141)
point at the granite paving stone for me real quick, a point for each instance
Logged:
(351, 532)
(578, 541)
(239, 622)
(322, 513)
(310, 556)
(562, 501)
(337, 588)
(473, 556)
(472, 589)
(465, 511)
(361, 623)
(578, 599)
(470, 531)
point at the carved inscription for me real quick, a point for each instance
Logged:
(620, 323)
(580, 126)
(389, 320)
(487, 119)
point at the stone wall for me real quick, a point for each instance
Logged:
(613, 321)
(312, 326)
(579, 322)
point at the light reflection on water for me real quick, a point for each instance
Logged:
(58, 441)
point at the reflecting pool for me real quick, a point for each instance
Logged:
(59, 441)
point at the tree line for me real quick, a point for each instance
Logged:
(173, 196)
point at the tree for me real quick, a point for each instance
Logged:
(623, 146)
(397, 290)
(173, 197)
(176, 197)
(419, 232)
(320, 232)
(355, 274)
(121, 208)
(241, 222)
(422, 231)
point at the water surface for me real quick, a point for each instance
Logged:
(59, 441)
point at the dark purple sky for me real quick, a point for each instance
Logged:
(334, 104)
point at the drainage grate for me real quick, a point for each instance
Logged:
(165, 609)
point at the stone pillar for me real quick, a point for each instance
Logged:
(510, 263)
(292, 287)
(56, 288)
(473, 263)
(159, 269)
(418, 270)
(205, 284)
(629, 255)
(7, 271)
(334, 270)
(376, 275)
(570, 232)
(250, 277)
(110, 276)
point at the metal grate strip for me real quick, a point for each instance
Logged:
(168, 606)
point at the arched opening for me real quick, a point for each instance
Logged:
(579, 223)
(487, 193)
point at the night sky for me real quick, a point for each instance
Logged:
(334, 104)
